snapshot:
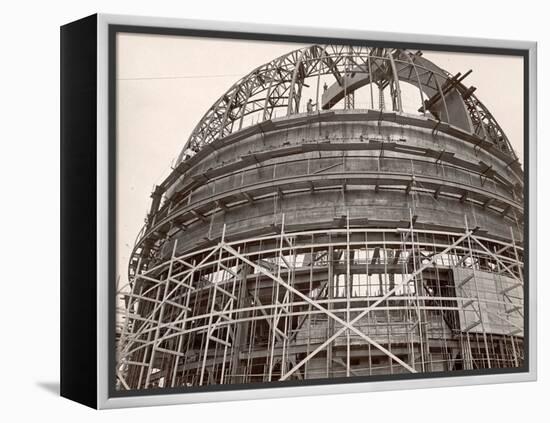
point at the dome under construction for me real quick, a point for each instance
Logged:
(338, 212)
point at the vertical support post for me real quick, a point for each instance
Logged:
(330, 293)
(348, 295)
(395, 82)
(229, 326)
(242, 328)
(319, 70)
(477, 295)
(183, 325)
(519, 263)
(309, 308)
(371, 80)
(417, 288)
(389, 287)
(212, 305)
(161, 314)
(276, 301)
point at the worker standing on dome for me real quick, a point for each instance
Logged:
(310, 105)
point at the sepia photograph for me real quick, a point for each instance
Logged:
(300, 213)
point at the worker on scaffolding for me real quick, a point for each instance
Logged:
(310, 105)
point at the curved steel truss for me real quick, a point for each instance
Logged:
(278, 85)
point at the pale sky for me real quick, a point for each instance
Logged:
(167, 83)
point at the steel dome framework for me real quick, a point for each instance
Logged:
(278, 85)
(336, 242)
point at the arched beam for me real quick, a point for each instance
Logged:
(404, 67)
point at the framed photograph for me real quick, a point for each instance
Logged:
(256, 211)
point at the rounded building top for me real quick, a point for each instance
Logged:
(317, 78)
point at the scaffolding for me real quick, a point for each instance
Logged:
(318, 304)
